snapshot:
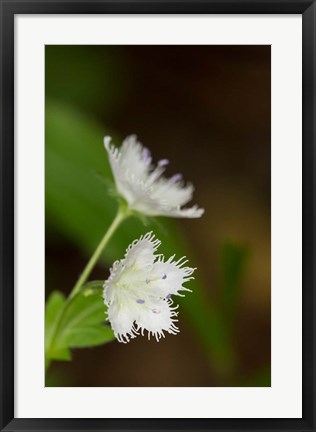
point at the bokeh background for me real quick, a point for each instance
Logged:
(206, 109)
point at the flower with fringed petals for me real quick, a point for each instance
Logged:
(143, 186)
(139, 289)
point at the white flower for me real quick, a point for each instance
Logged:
(142, 185)
(139, 289)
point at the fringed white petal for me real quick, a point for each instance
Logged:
(166, 278)
(122, 320)
(140, 253)
(157, 318)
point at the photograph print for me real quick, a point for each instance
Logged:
(157, 216)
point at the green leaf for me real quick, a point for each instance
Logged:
(77, 203)
(53, 309)
(61, 354)
(80, 323)
(85, 309)
(88, 336)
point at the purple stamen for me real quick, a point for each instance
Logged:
(176, 177)
(155, 311)
(168, 296)
(140, 301)
(147, 156)
(163, 162)
(164, 276)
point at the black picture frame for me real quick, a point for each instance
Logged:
(8, 10)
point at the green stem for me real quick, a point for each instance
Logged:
(119, 218)
(121, 215)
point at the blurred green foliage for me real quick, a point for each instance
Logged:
(259, 379)
(79, 76)
(233, 261)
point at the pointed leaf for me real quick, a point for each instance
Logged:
(54, 306)
(82, 324)
(61, 354)
(88, 336)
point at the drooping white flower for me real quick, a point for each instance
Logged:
(143, 186)
(139, 289)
